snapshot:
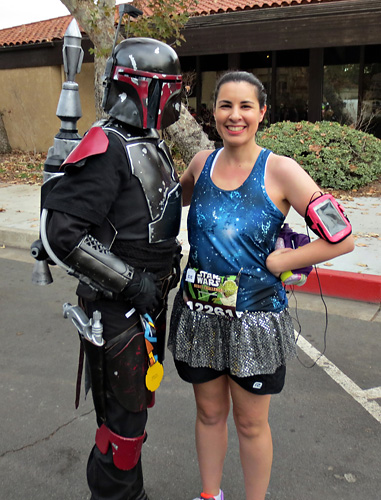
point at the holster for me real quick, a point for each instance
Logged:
(95, 361)
(126, 364)
(125, 451)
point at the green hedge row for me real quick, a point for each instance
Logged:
(336, 156)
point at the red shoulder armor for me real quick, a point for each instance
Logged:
(93, 143)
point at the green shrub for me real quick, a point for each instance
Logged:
(336, 156)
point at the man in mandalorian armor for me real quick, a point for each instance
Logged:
(113, 219)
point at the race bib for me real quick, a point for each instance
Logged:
(211, 293)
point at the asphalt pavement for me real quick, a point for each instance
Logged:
(325, 423)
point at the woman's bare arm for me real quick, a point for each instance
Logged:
(290, 185)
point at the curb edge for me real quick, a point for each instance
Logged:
(343, 285)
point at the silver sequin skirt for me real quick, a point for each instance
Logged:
(256, 343)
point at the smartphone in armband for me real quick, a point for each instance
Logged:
(326, 218)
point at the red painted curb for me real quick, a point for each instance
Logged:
(344, 285)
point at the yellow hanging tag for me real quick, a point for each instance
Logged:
(154, 374)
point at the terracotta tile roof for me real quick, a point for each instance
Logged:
(54, 29)
(42, 31)
(206, 7)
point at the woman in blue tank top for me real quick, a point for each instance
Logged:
(231, 334)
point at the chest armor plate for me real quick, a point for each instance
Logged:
(151, 164)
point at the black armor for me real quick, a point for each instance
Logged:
(112, 220)
(160, 185)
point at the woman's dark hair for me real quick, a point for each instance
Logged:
(242, 76)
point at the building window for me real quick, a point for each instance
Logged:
(370, 113)
(291, 94)
(340, 93)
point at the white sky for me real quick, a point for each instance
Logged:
(16, 12)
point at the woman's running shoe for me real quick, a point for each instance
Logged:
(204, 496)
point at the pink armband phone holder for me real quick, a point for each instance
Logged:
(325, 217)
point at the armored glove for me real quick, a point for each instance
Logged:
(143, 291)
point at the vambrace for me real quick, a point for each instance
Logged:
(104, 270)
(125, 451)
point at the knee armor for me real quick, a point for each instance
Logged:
(125, 451)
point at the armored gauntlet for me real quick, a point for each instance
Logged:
(103, 270)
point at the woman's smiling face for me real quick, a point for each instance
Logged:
(237, 112)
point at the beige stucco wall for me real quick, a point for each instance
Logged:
(28, 103)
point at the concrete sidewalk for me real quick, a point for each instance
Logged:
(354, 276)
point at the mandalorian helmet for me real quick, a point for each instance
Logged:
(143, 84)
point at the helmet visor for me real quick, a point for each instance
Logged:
(142, 82)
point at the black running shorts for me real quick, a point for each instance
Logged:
(256, 384)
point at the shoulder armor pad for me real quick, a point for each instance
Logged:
(131, 135)
(93, 143)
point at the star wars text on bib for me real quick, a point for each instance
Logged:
(211, 293)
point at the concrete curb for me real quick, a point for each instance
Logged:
(17, 238)
(343, 285)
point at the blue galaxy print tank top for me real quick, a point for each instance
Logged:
(233, 232)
